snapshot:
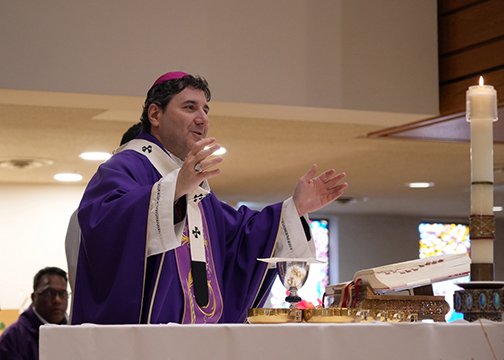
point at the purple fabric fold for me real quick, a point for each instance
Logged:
(21, 339)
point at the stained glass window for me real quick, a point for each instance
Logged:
(438, 239)
(318, 277)
(445, 238)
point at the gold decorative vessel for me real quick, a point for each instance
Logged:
(330, 315)
(274, 316)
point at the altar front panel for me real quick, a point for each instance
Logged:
(251, 342)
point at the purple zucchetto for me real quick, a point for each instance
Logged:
(169, 76)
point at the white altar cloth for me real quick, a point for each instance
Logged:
(457, 340)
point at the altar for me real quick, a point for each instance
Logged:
(411, 341)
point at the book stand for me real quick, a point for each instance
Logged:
(422, 303)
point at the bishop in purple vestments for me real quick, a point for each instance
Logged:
(156, 244)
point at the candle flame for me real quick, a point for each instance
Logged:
(481, 83)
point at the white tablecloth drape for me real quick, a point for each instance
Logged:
(457, 340)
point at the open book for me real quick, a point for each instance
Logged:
(410, 274)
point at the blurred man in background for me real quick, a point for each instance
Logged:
(49, 303)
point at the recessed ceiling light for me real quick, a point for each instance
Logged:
(68, 177)
(95, 156)
(420, 185)
(497, 208)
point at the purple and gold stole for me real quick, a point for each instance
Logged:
(194, 313)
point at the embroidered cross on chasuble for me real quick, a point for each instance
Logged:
(202, 297)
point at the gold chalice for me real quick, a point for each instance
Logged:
(293, 275)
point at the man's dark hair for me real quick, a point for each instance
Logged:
(131, 133)
(162, 93)
(48, 271)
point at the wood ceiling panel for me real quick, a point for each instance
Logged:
(471, 26)
(472, 61)
(447, 6)
(452, 97)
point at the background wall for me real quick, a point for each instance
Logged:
(369, 240)
(33, 225)
(358, 54)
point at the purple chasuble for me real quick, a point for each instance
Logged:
(20, 341)
(117, 283)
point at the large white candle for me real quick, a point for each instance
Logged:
(482, 199)
(481, 150)
(481, 112)
(481, 102)
(482, 251)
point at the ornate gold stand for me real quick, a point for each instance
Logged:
(480, 299)
(479, 303)
(423, 303)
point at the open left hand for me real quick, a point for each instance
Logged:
(312, 194)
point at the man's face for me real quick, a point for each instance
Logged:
(183, 123)
(47, 299)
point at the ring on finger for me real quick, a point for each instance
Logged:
(197, 167)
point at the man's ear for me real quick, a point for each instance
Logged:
(33, 297)
(154, 113)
